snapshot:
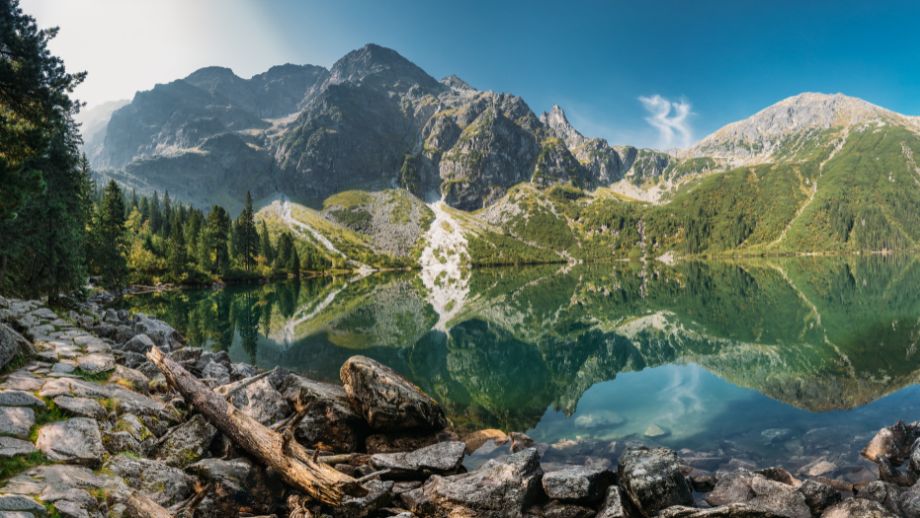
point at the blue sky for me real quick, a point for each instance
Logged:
(717, 60)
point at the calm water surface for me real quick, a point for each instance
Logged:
(773, 361)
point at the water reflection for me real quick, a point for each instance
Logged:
(603, 351)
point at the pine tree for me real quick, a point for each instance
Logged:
(217, 234)
(177, 256)
(107, 238)
(266, 245)
(247, 238)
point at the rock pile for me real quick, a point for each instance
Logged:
(87, 422)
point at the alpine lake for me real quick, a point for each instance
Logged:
(794, 362)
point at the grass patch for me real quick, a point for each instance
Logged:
(13, 466)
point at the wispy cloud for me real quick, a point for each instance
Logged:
(670, 119)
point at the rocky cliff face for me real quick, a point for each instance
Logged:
(373, 121)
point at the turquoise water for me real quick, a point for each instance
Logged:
(772, 361)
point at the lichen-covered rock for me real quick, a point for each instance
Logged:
(80, 406)
(616, 505)
(76, 440)
(16, 420)
(20, 398)
(857, 507)
(388, 401)
(577, 483)
(444, 457)
(11, 447)
(499, 488)
(159, 332)
(165, 484)
(259, 399)
(329, 422)
(12, 344)
(186, 443)
(652, 479)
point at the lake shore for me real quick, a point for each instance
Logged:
(92, 427)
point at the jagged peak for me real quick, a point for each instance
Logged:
(456, 83)
(375, 60)
(556, 121)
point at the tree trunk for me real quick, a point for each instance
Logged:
(284, 455)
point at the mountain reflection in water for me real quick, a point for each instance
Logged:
(699, 351)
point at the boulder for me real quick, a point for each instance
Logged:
(259, 399)
(329, 422)
(652, 479)
(160, 332)
(186, 443)
(16, 420)
(577, 483)
(732, 487)
(818, 496)
(163, 483)
(12, 344)
(499, 488)
(140, 343)
(11, 447)
(76, 440)
(378, 495)
(96, 363)
(722, 511)
(615, 505)
(557, 509)
(388, 401)
(441, 458)
(20, 398)
(233, 474)
(80, 406)
(779, 498)
(857, 507)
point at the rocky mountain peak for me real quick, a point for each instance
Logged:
(556, 121)
(381, 66)
(762, 135)
(456, 83)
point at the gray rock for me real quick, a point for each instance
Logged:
(81, 406)
(443, 457)
(165, 484)
(909, 501)
(557, 509)
(96, 363)
(20, 398)
(159, 332)
(615, 505)
(778, 498)
(652, 479)
(76, 440)
(187, 442)
(39, 479)
(12, 344)
(577, 484)
(261, 401)
(329, 421)
(818, 495)
(388, 401)
(16, 420)
(122, 441)
(130, 378)
(857, 508)
(499, 488)
(731, 488)
(378, 496)
(140, 343)
(11, 447)
(232, 474)
(21, 503)
(722, 511)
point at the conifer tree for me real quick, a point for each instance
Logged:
(107, 257)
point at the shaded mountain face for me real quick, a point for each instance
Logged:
(374, 120)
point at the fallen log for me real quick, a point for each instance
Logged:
(288, 458)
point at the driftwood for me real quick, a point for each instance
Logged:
(287, 457)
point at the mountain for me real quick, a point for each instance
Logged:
(373, 121)
(811, 173)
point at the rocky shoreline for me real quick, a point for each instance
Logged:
(90, 426)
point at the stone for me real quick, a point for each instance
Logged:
(378, 496)
(12, 345)
(615, 505)
(818, 495)
(261, 401)
(16, 420)
(232, 474)
(599, 419)
(577, 483)
(140, 343)
(329, 422)
(21, 380)
(779, 498)
(498, 488)
(722, 511)
(167, 485)
(857, 508)
(122, 441)
(159, 332)
(652, 479)
(20, 503)
(96, 363)
(130, 378)
(818, 468)
(566, 510)
(909, 501)
(11, 447)
(186, 443)
(386, 400)
(39, 479)
(444, 457)
(80, 406)
(20, 398)
(64, 367)
(732, 487)
(76, 440)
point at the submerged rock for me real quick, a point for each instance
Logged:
(499, 488)
(388, 401)
(652, 479)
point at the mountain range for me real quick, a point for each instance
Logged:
(812, 173)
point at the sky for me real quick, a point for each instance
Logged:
(649, 73)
